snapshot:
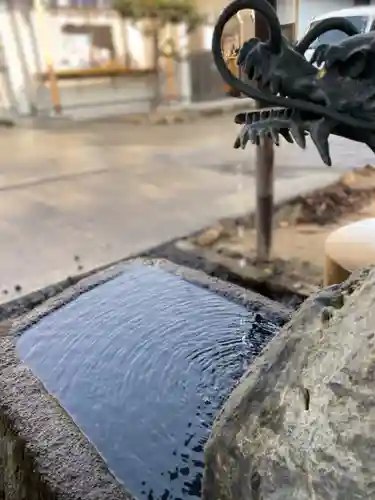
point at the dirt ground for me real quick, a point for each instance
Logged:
(301, 228)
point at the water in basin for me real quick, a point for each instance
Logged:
(142, 364)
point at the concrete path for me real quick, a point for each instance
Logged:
(97, 193)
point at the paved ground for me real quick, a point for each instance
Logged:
(105, 191)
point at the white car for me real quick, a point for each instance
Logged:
(363, 19)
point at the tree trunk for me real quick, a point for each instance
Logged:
(156, 60)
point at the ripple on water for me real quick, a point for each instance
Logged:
(142, 364)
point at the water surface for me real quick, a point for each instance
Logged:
(142, 364)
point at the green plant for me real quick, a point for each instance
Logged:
(160, 13)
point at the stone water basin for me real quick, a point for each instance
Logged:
(142, 364)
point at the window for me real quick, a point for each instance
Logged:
(335, 36)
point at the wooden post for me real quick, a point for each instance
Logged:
(296, 19)
(44, 41)
(264, 173)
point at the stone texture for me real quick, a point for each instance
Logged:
(43, 455)
(301, 424)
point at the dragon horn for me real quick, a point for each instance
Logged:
(334, 23)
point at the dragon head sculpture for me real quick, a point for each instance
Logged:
(301, 99)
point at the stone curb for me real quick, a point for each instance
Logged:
(19, 306)
(69, 290)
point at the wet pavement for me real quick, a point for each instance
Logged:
(80, 197)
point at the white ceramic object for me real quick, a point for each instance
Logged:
(352, 246)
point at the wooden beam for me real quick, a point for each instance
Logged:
(85, 73)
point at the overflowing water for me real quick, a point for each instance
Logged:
(142, 364)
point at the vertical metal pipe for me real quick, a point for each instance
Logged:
(264, 169)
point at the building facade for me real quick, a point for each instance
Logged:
(36, 35)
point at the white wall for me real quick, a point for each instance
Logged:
(27, 43)
(286, 11)
(136, 46)
(13, 64)
(208, 32)
(25, 58)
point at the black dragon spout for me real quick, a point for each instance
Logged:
(334, 93)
